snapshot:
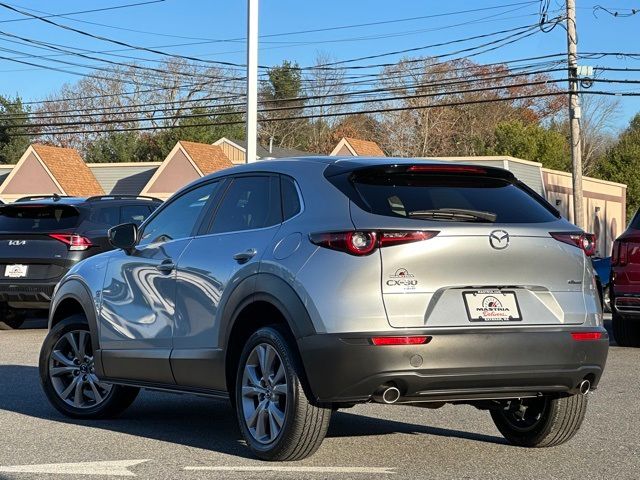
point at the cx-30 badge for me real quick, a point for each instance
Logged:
(499, 239)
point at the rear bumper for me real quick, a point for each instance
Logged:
(627, 305)
(454, 365)
(28, 295)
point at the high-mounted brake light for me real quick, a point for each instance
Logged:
(416, 340)
(584, 241)
(586, 336)
(73, 241)
(446, 169)
(362, 243)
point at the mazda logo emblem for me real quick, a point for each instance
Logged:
(499, 239)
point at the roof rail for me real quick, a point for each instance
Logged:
(96, 198)
(55, 197)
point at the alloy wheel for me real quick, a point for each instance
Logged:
(264, 393)
(72, 371)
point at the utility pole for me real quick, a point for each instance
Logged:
(574, 114)
(252, 80)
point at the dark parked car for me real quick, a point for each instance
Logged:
(42, 237)
(625, 286)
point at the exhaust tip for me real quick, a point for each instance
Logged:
(584, 387)
(387, 395)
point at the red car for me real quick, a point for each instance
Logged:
(625, 286)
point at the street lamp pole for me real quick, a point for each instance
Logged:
(252, 80)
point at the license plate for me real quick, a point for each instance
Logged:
(15, 271)
(492, 306)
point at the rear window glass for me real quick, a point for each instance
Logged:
(35, 218)
(635, 223)
(450, 198)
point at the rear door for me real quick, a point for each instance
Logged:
(493, 260)
(229, 251)
(29, 248)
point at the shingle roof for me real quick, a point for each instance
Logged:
(365, 148)
(208, 158)
(68, 168)
(276, 152)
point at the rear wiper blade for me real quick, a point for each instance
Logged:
(456, 214)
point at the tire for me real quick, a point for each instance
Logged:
(292, 426)
(626, 332)
(548, 421)
(69, 383)
(11, 319)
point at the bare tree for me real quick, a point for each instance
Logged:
(599, 117)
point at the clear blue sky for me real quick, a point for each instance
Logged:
(225, 20)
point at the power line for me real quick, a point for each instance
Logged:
(104, 9)
(302, 117)
(441, 83)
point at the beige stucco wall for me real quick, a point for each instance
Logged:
(605, 209)
(177, 173)
(30, 179)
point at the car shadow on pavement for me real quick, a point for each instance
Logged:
(189, 420)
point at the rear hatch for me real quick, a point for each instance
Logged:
(493, 260)
(28, 251)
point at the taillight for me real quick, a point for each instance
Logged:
(623, 253)
(454, 169)
(361, 243)
(615, 253)
(584, 241)
(413, 340)
(73, 241)
(586, 336)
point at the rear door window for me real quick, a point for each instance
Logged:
(108, 216)
(134, 213)
(249, 203)
(290, 198)
(38, 218)
(450, 198)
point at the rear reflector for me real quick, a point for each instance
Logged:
(586, 336)
(420, 340)
(74, 242)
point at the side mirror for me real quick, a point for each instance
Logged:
(124, 236)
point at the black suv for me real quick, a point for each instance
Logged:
(42, 237)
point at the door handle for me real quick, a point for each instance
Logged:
(244, 257)
(167, 266)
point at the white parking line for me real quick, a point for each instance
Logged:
(117, 468)
(282, 469)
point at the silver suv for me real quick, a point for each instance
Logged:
(297, 287)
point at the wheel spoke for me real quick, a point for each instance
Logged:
(74, 345)
(250, 391)
(280, 389)
(252, 375)
(96, 393)
(77, 396)
(60, 357)
(279, 376)
(276, 415)
(261, 424)
(253, 418)
(58, 371)
(82, 345)
(67, 391)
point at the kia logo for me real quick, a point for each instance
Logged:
(499, 239)
(17, 243)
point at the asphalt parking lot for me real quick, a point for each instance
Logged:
(184, 437)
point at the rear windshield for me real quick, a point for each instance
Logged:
(36, 218)
(450, 198)
(635, 223)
